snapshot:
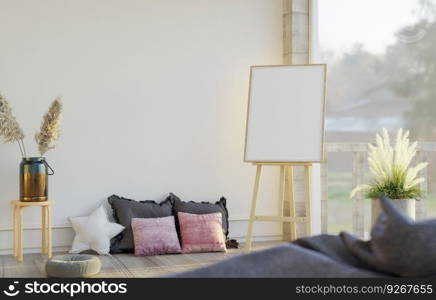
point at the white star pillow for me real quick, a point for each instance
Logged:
(94, 232)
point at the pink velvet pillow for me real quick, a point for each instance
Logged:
(153, 236)
(201, 233)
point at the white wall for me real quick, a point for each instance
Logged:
(155, 97)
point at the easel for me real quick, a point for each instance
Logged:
(282, 100)
(286, 193)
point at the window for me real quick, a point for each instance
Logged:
(381, 58)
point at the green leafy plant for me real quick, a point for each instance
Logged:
(390, 168)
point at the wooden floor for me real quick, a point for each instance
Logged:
(125, 265)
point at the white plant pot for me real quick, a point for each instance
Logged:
(405, 205)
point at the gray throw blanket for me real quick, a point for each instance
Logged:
(319, 256)
(399, 247)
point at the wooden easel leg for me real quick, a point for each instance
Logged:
(308, 198)
(281, 195)
(286, 225)
(291, 200)
(44, 230)
(253, 209)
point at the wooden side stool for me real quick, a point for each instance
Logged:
(18, 227)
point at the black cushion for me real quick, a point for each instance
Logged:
(126, 209)
(201, 208)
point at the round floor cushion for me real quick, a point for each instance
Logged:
(73, 266)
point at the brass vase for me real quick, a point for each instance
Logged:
(34, 173)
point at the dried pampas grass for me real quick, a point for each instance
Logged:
(50, 128)
(10, 130)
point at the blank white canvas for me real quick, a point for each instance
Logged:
(285, 121)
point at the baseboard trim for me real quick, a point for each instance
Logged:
(64, 226)
(31, 250)
(34, 227)
(260, 238)
(66, 248)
